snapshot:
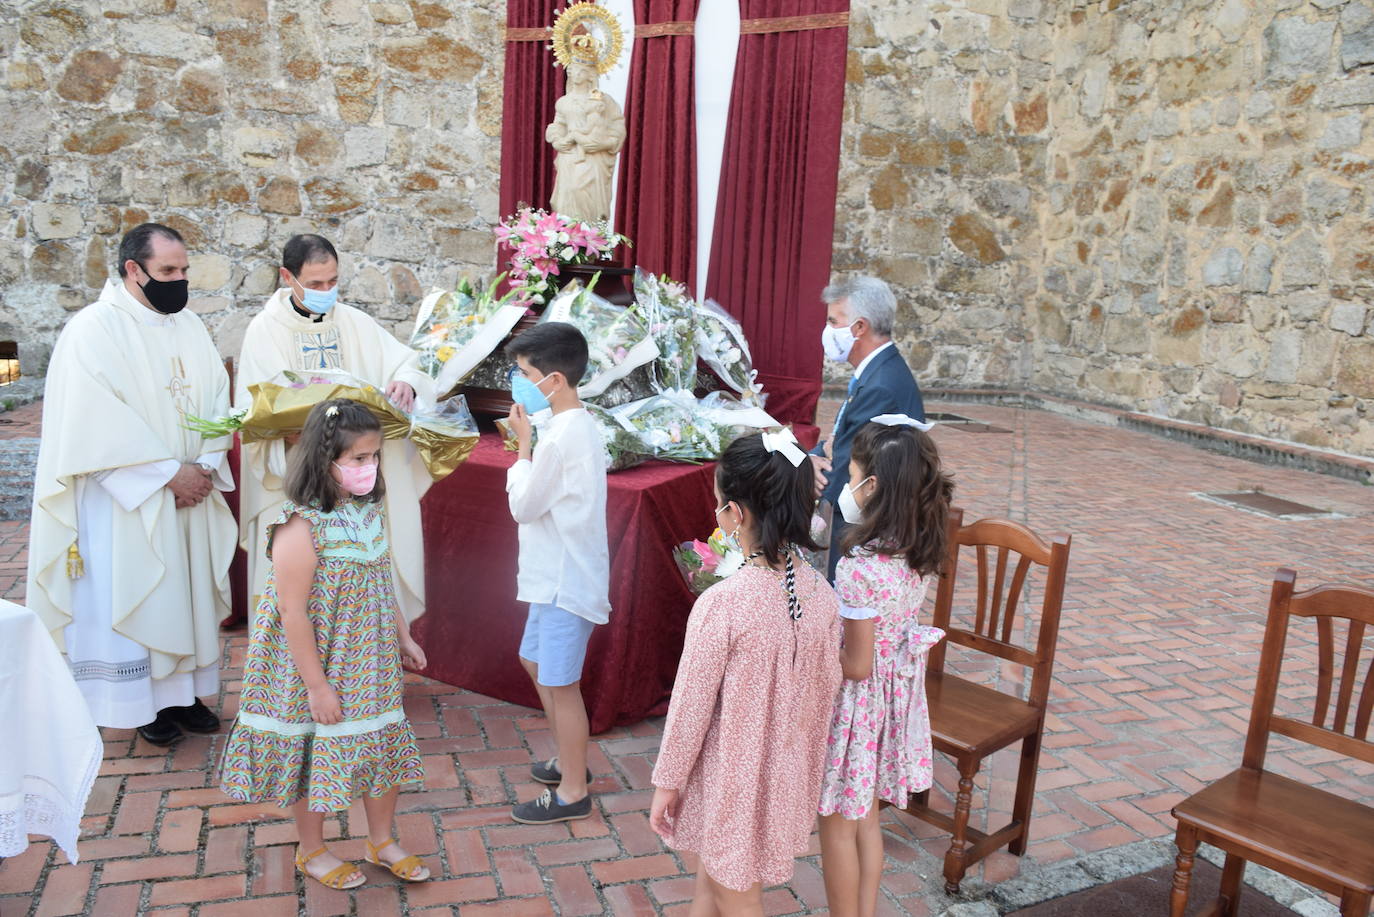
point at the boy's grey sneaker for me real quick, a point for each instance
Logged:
(547, 809)
(548, 772)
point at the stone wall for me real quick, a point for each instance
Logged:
(241, 122)
(1158, 205)
(942, 164)
(1209, 215)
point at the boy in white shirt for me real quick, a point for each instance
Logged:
(559, 499)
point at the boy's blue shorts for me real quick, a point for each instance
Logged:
(556, 641)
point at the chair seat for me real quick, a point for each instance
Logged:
(1288, 822)
(973, 719)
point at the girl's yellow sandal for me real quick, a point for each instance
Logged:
(409, 867)
(336, 877)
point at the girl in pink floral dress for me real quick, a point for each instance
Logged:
(879, 747)
(739, 768)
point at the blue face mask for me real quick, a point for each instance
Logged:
(528, 393)
(320, 301)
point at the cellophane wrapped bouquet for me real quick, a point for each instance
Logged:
(618, 340)
(670, 313)
(444, 434)
(456, 329)
(719, 343)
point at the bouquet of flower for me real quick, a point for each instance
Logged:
(443, 435)
(740, 416)
(617, 339)
(721, 346)
(456, 329)
(705, 563)
(670, 312)
(540, 240)
(624, 448)
(672, 428)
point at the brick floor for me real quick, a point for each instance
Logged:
(1160, 636)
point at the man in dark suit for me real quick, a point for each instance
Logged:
(859, 317)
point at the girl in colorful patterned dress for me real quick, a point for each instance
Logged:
(739, 767)
(897, 502)
(320, 719)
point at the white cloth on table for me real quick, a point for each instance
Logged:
(54, 749)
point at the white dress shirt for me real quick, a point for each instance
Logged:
(559, 500)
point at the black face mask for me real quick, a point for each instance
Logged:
(166, 296)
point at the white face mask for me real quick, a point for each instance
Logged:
(837, 342)
(849, 508)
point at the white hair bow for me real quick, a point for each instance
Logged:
(902, 420)
(785, 441)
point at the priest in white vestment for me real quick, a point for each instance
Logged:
(303, 327)
(131, 539)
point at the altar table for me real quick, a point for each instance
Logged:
(472, 624)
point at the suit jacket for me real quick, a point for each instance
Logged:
(886, 387)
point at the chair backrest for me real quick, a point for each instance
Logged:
(1344, 726)
(1001, 546)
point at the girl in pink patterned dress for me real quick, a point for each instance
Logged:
(879, 745)
(320, 720)
(739, 768)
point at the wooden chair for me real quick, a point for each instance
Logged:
(970, 721)
(1257, 815)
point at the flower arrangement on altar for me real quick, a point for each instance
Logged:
(540, 240)
(618, 340)
(457, 329)
(674, 329)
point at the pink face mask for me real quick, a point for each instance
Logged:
(358, 479)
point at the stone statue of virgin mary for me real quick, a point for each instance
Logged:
(588, 128)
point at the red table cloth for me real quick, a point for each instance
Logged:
(472, 624)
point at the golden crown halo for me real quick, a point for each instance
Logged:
(589, 34)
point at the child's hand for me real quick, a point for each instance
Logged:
(519, 422)
(324, 705)
(412, 654)
(663, 811)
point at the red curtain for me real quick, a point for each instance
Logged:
(775, 213)
(656, 196)
(533, 85)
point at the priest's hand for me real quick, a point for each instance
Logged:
(401, 395)
(324, 705)
(190, 485)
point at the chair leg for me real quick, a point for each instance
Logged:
(1355, 904)
(955, 864)
(1186, 840)
(1025, 792)
(1231, 874)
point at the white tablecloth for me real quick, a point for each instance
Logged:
(50, 748)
